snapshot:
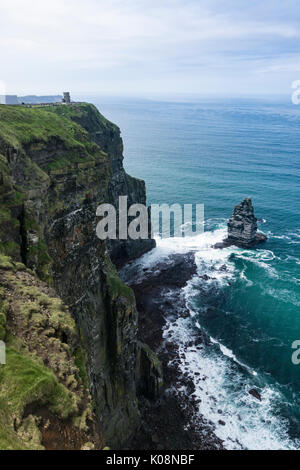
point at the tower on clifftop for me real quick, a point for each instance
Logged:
(66, 98)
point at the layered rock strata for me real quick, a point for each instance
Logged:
(242, 227)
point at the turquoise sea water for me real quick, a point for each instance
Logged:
(217, 152)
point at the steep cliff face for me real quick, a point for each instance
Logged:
(57, 165)
(107, 136)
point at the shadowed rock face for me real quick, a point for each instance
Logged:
(242, 227)
(107, 136)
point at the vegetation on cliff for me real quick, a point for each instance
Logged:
(29, 129)
(40, 379)
(37, 148)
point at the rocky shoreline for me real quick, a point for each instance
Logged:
(172, 422)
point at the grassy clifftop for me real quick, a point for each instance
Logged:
(83, 112)
(19, 126)
(28, 129)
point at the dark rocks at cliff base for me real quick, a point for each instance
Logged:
(242, 227)
(160, 292)
(175, 417)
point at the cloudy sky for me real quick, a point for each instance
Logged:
(138, 47)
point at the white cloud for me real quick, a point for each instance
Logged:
(111, 41)
(290, 63)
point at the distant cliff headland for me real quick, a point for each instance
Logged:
(74, 366)
(29, 99)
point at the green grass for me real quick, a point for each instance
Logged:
(80, 361)
(10, 248)
(5, 262)
(9, 439)
(19, 126)
(23, 380)
(117, 288)
(38, 256)
(33, 127)
(59, 318)
(80, 112)
(5, 215)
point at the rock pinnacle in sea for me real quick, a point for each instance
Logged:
(242, 227)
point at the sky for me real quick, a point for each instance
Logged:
(144, 47)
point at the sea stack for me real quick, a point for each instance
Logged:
(242, 227)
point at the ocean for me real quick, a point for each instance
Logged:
(216, 152)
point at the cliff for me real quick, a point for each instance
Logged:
(57, 164)
(107, 136)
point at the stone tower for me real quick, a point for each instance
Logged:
(66, 97)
